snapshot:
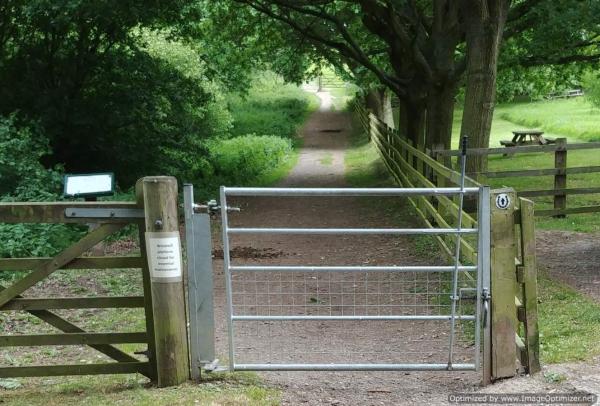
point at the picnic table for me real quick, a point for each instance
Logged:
(527, 137)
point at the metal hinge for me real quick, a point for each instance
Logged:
(102, 213)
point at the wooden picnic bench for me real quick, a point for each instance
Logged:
(527, 137)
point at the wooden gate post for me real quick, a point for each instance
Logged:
(158, 194)
(503, 283)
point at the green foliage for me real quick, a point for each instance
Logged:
(270, 107)
(242, 160)
(110, 93)
(591, 84)
(537, 82)
(23, 178)
(22, 145)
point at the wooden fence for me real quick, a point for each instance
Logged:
(560, 172)
(165, 365)
(513, 278)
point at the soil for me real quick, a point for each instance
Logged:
(341, 293)
(572, 258)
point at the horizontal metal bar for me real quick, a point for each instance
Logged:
(398, 231)
(254, 191)
(303, 268)
(102, 213)
(353, 367)
(353, 317)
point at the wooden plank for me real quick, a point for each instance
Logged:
(515, 174)
(528, 149)
(74, 303)
(72, 339)
(560, 178)
(450, 206)
(521, 351)
(435, 166)
(503, 281)
(148, 306)
(54, 212)
(552, 192)
(63, 325)
(67, 255)
(530, 297)
(542, 172)
(572, 210)
(82, 369)
(467, 250)
(159, 197)
(25, 264)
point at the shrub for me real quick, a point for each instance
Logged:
(242, 160)
(591, 84)
(24, 178)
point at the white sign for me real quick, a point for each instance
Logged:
(503, 201)
(164, 256)
(88, 184)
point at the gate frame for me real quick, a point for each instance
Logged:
(482, 267)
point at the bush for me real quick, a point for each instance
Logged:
(242, 160)
(591, 84)
(24, 178)
(270, 107)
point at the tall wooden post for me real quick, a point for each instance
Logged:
(158, 194)
(560, 178)
(503, 283)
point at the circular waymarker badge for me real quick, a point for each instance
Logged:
(503, 201)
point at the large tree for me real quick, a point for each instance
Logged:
(424, 51)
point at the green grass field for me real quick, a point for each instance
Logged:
(576, 118)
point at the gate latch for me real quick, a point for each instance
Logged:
(485, 296)
(212, 207)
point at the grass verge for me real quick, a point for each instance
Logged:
(230, 389)
(569, 323)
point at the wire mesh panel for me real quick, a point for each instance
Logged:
(284, 314)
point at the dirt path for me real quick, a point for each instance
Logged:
(572, 258)
(321, 163)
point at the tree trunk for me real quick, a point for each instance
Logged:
(415, 122)
(440, 113)
(483, 36)
(380, 102)
(402, 119)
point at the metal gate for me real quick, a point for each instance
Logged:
(454, 297)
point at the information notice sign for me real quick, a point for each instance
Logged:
(164, 256)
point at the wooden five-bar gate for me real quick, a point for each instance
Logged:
(163, 300)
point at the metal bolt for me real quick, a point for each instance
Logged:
(158, 224)
(112, 213)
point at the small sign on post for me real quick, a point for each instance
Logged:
(164, 256)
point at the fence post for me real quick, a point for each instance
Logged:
(560, 178)
(503, 283)
(159, 197)
(529, 285)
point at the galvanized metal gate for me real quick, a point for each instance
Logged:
(455, 297)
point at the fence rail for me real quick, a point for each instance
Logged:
(560, 172)
(514, 332)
